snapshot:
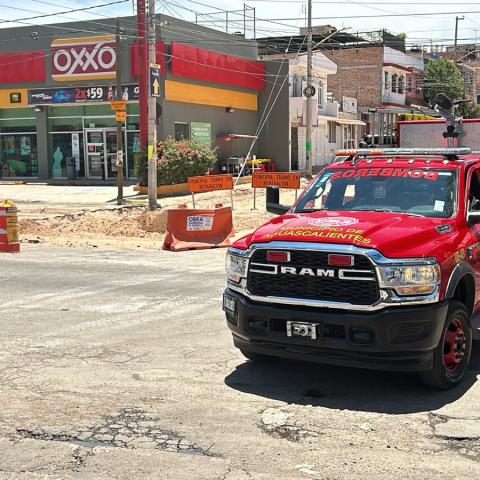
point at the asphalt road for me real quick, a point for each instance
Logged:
(118, 365)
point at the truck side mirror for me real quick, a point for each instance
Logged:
(473, 218)
(277, 208)
(273, 201)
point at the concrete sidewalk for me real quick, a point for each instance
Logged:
(63, 195)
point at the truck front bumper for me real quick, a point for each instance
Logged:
(397, 338)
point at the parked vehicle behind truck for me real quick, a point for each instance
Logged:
(377, 265)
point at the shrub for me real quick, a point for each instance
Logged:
(178, 160)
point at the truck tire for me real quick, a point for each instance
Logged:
(255, 357)
(452, 355)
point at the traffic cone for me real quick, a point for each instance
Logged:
(8, 227)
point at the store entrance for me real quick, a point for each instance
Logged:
(101, 153)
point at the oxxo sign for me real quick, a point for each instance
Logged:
(86, 58)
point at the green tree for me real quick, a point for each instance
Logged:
(442, 76)
(468, 110)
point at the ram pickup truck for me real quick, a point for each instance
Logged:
(377, 265)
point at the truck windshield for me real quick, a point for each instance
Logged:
(413, 191)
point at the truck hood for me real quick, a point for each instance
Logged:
(394, 235)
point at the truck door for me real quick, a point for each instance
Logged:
(473, 243)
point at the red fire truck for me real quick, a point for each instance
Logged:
(377, 265)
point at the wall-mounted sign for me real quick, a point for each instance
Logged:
(46, 96)
(201, 132)
(15, 97)
(90, 58)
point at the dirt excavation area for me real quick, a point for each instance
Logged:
(132, 225)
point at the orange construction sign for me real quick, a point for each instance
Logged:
(119, 105)
(195, 228)
(209, 183)
(277, 179)
(120, 116)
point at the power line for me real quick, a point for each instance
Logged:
(56, 13)
(339, 2)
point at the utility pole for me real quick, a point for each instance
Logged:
(456, 38)
(120, 124)
(309, 94)
(152, 112)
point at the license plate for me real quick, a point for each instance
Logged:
(302, 329)
(229, 303)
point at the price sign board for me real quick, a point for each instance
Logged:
(209, 183)
(276, 179)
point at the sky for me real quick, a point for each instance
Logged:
(279, 17)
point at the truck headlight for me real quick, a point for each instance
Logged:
(236, 267)
(421, 279)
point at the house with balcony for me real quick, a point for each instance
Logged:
(386, 81)
(335, 123)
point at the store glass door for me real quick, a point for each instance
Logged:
(95, 153)
(101, 153)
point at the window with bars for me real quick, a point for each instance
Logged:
(394, 83)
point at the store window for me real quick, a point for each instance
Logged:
(18, 155)
(66, 149)
(181, 131)
(18, 144)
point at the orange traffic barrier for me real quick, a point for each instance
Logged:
(189, 228)
(8, 227)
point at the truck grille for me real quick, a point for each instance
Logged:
(262, 282)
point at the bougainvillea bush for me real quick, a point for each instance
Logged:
(178, 160)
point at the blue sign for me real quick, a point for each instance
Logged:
(154, 80)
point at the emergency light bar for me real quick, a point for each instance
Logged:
(371, 152)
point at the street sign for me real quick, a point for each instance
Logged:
(208, 183)
(120, 158)
(277, 179)
(120, 116)
(119, 105)
(154, 80)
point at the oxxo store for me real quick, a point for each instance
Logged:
(55, 108)
(68, 131)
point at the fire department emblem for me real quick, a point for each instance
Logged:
(332, 221)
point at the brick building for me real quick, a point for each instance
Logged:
(386, 82)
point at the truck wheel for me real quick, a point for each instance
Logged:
(452, 355)
(255, 357)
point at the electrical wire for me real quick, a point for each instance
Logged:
(73, 10)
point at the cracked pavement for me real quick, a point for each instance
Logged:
(118, 365)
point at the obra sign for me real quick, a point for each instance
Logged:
(88, 58)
